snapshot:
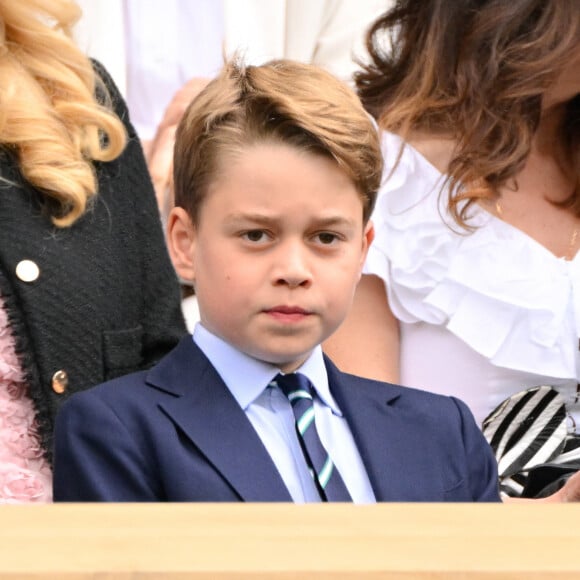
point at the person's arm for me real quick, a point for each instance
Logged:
(367, 342)
(570, 492)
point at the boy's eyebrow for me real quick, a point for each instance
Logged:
(249, 217)
(335, 221)
(258, 218)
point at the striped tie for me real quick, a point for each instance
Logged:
(325, 475)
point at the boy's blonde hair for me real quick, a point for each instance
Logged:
(49, 116)
(283, 102)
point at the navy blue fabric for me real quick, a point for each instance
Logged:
(176, 433)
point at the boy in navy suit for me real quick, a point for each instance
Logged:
(276, 172)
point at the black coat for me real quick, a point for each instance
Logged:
(106, 300)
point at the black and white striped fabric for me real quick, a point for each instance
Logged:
(527, 431)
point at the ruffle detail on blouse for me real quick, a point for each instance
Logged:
(25, 475)
(497, 289)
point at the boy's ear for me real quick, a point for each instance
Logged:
(181, 237)
(368, 237)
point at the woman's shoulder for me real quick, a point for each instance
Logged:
(410, 216)
(409, 176)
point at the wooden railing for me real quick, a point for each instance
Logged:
(388, 541)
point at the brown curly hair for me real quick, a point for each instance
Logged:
(475, 71)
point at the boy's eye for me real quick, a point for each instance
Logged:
(254, 235)
(326, 238)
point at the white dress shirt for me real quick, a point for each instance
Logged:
(271, 415)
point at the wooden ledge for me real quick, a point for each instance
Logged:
(387, 541)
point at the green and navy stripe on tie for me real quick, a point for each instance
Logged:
(326, 477)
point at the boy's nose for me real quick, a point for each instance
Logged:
(292, 267)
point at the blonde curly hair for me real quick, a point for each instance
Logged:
(50, 118)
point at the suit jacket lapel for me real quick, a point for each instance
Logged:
(378, 427)
(210, 416)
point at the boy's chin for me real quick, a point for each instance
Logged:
(287, 364)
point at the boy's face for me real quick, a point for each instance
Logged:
(277, 253)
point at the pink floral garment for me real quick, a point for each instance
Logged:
(25, 475)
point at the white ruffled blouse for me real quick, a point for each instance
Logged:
(483, 315)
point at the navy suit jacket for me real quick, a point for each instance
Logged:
(176, 433)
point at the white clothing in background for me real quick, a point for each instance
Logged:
(482, 315)
(190, 45)
(190, 309)
(193, 33)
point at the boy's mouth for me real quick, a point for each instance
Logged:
(289, 313)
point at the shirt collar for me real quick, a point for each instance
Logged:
(247, 377)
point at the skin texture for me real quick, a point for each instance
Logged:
(277, 253)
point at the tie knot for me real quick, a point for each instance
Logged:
(294, 385)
